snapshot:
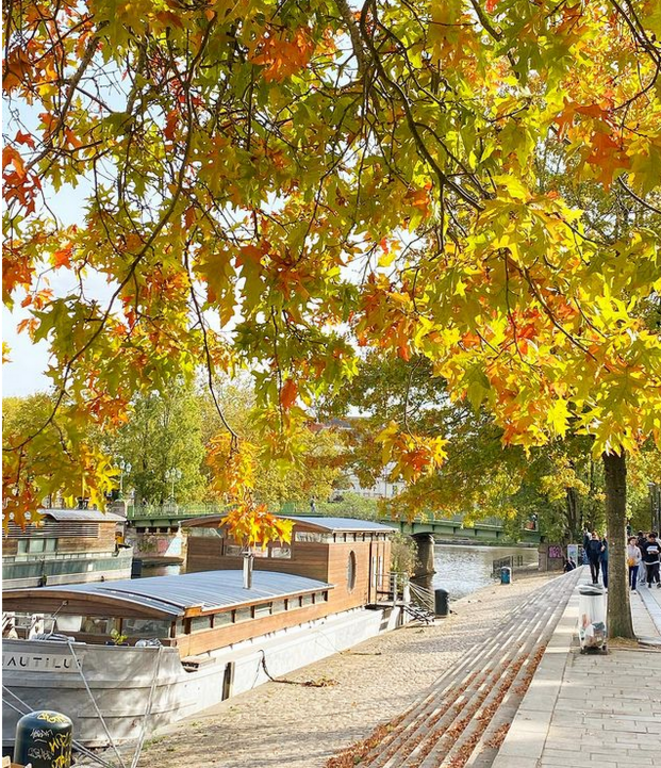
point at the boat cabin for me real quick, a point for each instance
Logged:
(352, 555)
(195, 613)
(66, 546)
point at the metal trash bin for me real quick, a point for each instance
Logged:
(505, 575)
(43, 738)
(592, 618)
(441, 602)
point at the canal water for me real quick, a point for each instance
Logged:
(464, 569)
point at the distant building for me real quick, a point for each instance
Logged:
(382, 489)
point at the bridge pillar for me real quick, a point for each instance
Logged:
(158, 542)
(425, 545)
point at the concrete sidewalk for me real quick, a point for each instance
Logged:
(591, 710)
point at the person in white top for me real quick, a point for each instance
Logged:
(634, 556)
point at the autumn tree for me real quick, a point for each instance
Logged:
(162, 434)
(266, 182)
(304, 465)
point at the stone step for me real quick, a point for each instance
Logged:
(452, 724)
(490, 723)
(458, 742)
(452, 685)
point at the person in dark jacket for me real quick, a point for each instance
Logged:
(652, 560)
(586, 541)
(593, 551)
(603, 559)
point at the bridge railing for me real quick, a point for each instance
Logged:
(172, 510)
(511, 561)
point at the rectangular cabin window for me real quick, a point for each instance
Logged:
(22, 546)
(320, 538)
(306, 600)
(199, 623)
(278, 606)
(283, 552)
(323, 597)
(36, 545)
(146, 628)
(222, 619)
(180, 627)
(68, 623)
(92, 625)
(261, 611)
(242, 614)
(259, 552)
(50, 545)
(209, 533)
(233, 550)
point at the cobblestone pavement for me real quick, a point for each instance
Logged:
(301, 727)
(590, 711)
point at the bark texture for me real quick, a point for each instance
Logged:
(619, 609)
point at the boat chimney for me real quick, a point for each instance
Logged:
(247, 569)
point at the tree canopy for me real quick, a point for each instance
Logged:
(273, 185)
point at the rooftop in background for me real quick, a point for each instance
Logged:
(172, 596)
(341, 524)
(325, 524)
(88, 515)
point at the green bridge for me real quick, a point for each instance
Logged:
(169, 516)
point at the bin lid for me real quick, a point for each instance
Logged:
(591, 590)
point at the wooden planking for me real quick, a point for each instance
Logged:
(322, 561)
(71, 537)
(200, 642)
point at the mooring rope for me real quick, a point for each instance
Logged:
(143, 732)
(96, 706)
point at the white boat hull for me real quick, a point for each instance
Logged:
(126, 683)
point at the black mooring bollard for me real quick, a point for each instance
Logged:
(43, 738)
(441, 602)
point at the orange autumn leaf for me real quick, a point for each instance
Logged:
(288, 394)
(62, 257)
(11, 156)
(282, 58)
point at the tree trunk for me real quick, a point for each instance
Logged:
(619, 609)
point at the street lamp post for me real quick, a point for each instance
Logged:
(124, 466)
(174, 475)
(655, 506)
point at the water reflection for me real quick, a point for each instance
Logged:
(174, 569)
(465, 569)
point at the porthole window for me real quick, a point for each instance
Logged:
(351, 571)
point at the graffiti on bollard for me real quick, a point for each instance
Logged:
(43, 738)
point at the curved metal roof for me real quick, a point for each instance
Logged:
(323, 524)
(343, 524)
(86, 515)
(174, 595)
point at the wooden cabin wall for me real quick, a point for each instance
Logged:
(104, 541)
(200, 642)
(326, 562)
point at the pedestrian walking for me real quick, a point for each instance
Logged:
(593, 551)
(652, 560)
(603, 560)
(642, 541)
(634, 557)
(586, 540)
